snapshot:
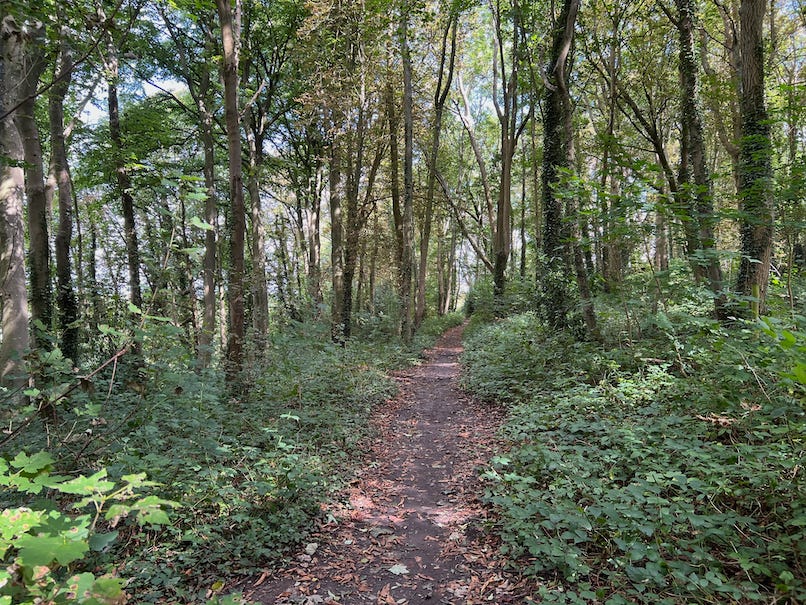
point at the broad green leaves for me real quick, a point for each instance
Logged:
(41, 547)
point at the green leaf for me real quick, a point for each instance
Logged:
(200, 224)
(98, 542)
(87, 485)
(108, 589)
(18, 521)
(79, 585)
(31, 465)
(44, 550)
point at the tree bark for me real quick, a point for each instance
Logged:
(444, 80)
(555, 158)
(507, 109)
(394, 187)
(208, 327)
(755, 160)
(13, 289)
(123, 183)
(336, 186)
(694, 179)
(230, 34)
(314, 237)
(37, 208)
(407, 225)
(260, 294)
(60, 169)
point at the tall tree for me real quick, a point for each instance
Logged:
(229, 20)
(37, 207)
(336, 185)
(407, 222)
(60, 171)
(507, 59)
(123, 178)
(13, 289)
(194, 69)
(694, 179)
(556, 113)
(755, 159)
(447, 60)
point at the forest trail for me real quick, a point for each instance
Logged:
(409, 529)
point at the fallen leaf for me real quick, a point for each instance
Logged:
(399, 569)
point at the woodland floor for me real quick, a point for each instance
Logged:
(410, 527)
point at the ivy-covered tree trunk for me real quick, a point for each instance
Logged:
(13, 289)
(230, 33)
(60, 171)
(755, 160)
(694, 180)
(555, 159)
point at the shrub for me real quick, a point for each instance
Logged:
(664, 473)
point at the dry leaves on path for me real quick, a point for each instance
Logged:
(410, 528)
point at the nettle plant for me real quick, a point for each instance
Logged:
(43, 547)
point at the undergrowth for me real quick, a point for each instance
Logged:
(668, 471)
(247, 473)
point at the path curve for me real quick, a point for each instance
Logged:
(410, 528)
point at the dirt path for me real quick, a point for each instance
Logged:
(410, 529)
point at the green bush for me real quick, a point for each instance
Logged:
(664, 473)
(250, 471)
(44, 549)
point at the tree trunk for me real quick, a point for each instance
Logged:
(208, 327)
(507, 110)
(522, 224)
(95, 294)
(555, 158)
(444, 80)
(314, 243)
(394, 188)
(230, 34)
(694, 180)
(408, 187)
(13, 289)
(60, 169)
(336, 182)
(755, 164)
(123, 183)
(661, 242)
(373, 263)
(37, 210)
(260, 294)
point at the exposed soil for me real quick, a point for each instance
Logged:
(410, 528)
